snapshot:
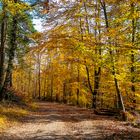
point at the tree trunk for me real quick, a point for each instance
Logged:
(11, 54)
(133, 56)
(2, 47)
(64, 93)
(96, 86)
(78, 89)
(97, 69)
(52, 84)
(120, 100)
(39, 75)
(96, 72)
(44, 88)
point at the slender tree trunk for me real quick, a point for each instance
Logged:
(45, 80)
(88, 77)
(44, 88)
(133, 56)
(52, 84)
(120, 100)
(64, 93)
(39, 76)
(78, 89)
(96, 86)
(29, 81)
(35, 84)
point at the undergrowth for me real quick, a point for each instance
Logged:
(14, 109)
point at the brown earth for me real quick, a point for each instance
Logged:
(52, 121)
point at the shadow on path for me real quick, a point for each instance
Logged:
(54, 121)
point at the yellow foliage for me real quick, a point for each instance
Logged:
(3, 121)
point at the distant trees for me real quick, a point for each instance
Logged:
(98, 43)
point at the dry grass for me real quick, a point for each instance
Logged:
(11, 113)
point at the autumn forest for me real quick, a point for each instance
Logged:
(86, 54)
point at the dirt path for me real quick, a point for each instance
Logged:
(54, 121)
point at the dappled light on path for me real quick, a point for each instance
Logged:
(57, 121)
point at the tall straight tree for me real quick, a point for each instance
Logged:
(133, 89)
(11, 53)
(98, 52)
(120, 99)
(2, 42)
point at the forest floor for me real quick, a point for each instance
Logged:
(53, 121)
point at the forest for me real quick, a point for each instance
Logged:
(86, 56)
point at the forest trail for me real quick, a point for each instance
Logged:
(53, 121)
